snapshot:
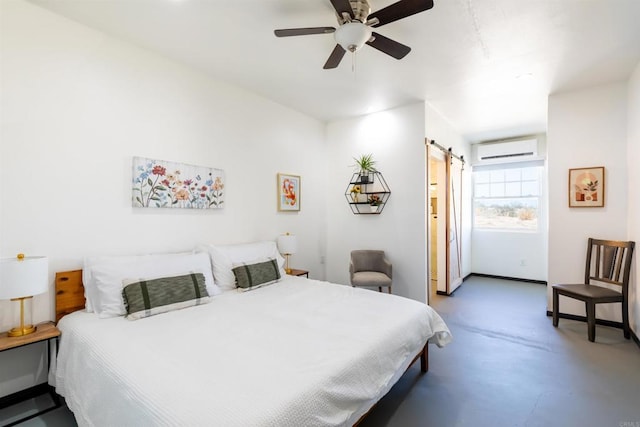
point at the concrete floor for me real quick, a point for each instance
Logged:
(60, 417)
(507, 366)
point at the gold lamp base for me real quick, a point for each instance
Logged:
(23, 329)
(20, 332)
(286, 266)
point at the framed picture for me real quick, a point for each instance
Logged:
(163, 184)
(586, 187)
(288, 192)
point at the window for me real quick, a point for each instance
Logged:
(506, 199)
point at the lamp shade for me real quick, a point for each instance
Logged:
(352, 36)
(287, 244)
(23, 277)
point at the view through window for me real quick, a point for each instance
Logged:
(507, 199)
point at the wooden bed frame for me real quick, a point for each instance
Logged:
(70, 298)
(69, 293)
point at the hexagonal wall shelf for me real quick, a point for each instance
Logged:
(367, 194)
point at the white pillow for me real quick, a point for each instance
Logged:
(90, 288)
(108, 276)
(224, 257)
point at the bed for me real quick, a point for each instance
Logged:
(296, 352)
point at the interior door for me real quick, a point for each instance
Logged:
(436, 222)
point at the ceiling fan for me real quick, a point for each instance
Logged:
(355, 21)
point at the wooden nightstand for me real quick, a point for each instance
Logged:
(296, 272)
(46, 332)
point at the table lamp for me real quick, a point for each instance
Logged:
(287, 245)
(21, 278)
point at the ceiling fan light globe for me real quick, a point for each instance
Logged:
(352, 35)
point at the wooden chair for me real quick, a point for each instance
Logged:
(370, 268)
(608, 262)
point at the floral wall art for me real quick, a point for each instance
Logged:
(288, 192)
(586, 187)
(162, 184)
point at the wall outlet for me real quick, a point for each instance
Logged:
(523, 262)
(322, 259)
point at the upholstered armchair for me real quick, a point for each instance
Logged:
(370, 268)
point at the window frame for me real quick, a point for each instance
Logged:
(538, 167)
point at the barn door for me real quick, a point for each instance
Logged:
(454, 223)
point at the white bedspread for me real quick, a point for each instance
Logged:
(297, 353)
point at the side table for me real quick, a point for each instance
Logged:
(45, 332)
(300, 273)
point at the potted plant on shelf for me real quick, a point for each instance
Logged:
(365, 166)
(374, 201)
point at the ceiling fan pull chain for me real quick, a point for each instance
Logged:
(353, 64)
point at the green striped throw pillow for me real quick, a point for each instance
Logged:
(252, 276)
(146, 297)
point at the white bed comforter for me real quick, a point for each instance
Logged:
(297, 353)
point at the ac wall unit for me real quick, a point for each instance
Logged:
(514, 150)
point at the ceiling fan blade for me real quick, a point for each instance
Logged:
(334, 58)
(400, 10)
(303, 31)
(342, 6)
(388, 46)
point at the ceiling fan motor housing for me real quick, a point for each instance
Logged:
(361, 10)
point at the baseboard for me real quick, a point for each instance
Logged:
(516, 279)
(602, 322)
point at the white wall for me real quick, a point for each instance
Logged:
(77, 105)
(633, 177)
(396, 140)
(440, 130)
(502, 253)
(586, 128)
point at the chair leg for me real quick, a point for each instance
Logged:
(591, 321)
(379, 288)
(626, 330)
(389, 288)
(556, 308)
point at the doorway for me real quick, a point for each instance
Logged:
(437, 223)
(444, 223)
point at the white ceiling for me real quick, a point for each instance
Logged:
(487, 65)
